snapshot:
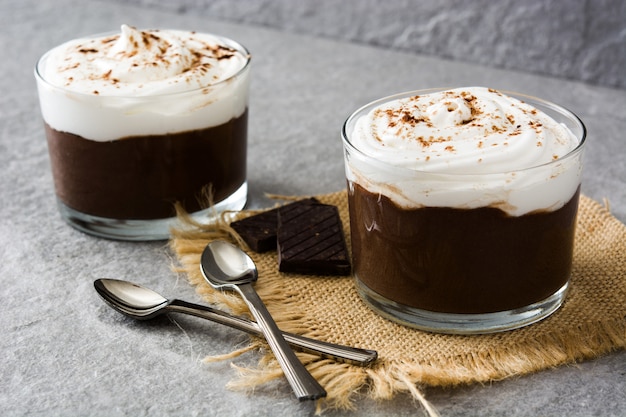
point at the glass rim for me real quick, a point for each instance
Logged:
(227, 41)
(523, 97)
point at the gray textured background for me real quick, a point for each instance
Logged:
(582, 40)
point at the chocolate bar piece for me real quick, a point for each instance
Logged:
(310, 240)
(259, 230)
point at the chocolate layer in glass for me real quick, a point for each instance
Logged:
(464, 261)
(115, 179)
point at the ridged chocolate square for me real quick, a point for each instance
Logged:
(311, 241)
(259, 230)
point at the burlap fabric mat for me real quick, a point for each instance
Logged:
(591, 322)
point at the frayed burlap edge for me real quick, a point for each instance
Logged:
(386, 378)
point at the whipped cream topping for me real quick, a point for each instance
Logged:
(467, 130)
(137, 62)
(134, 78)
(466, 148)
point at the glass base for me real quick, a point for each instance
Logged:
(142, 230)
(461, 323)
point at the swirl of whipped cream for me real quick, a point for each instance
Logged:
(142, 82)
(466, 130)
(140, 63)
(466, 148)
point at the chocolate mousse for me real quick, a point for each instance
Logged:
(115, 179)
(460, 260)
(140, 120)
(463, 207)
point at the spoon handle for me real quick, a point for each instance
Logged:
(302, 382)
(340, 353)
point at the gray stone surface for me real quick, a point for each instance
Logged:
(67, 354)
(582, 40)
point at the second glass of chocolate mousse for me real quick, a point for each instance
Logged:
(463, 207)
(141, 120)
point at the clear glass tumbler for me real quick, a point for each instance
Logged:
(458, 270)
(120, 163)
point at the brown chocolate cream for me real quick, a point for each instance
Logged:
(453, 260)
(114, 179)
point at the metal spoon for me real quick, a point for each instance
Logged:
(225, 266)
(143, 303)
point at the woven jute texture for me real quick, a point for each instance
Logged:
(591, 322)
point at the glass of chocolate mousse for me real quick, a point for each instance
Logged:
(141, 120)
(463, 207)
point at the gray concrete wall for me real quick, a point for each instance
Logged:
(582, 40)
